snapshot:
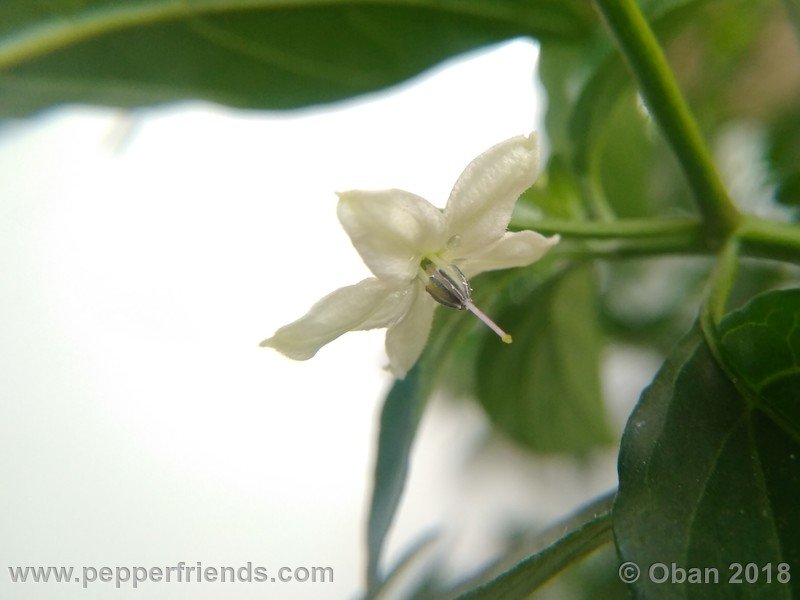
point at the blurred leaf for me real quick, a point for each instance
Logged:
(585, 77)
(524, 578)
(734, 59)
(783, 157)
(756, 276)
(564, 69)
(627, 153)
(649, 301)
(610, 82)
(636, 169)
(400, 417)
(544, 389)
(788, 191)
(710, 462)
(596, 576)
(262, 54)
(398, 426)
(555, 195)
(730, 60)
(593, 106)
(586, 81)
(398, 576)
(793, 9)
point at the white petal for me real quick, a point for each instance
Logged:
(512, 250)
(392, 230)
(368, 304)
(481, 202)
(406, 339)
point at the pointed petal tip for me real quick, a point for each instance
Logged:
(480, 205)
(267, 343)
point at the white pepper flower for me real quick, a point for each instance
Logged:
(421, 255)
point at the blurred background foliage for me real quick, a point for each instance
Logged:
(739, 64)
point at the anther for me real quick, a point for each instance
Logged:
(449, 286)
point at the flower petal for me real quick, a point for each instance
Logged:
(406, 339)
(392, 230)
(368, 304)
(512, 250)
(480, 205)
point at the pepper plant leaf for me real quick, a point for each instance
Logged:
(264, 54)
(710, 461)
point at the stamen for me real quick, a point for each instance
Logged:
(492, 325)
(448, 285)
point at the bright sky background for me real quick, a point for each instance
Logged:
(142, 259)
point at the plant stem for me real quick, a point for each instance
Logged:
(716, 300)
(593, 196)
(664, 100)
(759, 238)
(621, 229)
(611, 250)
(719, 286)
(771, 239)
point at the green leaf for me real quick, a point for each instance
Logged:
(544, 389)
(406, 568)
(649, 302)
(564, 69)
(528, 575)
(761, 347)
(710, 461)
(585, 78)
(595, 576)
(793, 10)
(266, 54)
(399, 420)
(398, 426)
(783, 156)
(556, 194)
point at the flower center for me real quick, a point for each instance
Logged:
(449, 286)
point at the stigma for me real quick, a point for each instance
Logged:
(449, 286)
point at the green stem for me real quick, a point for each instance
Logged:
(664, 100)
(633, 248)
(594, 197)
(759, 238)
(719, 286)
(621, 229)
(713, 309)
(770, 239)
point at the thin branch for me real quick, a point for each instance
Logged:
(657, 83)
(619, 229)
